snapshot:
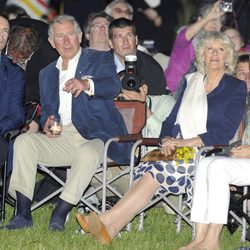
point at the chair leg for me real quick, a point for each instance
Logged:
(4, 183)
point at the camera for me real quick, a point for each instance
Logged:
(131, 80)
(226, 6)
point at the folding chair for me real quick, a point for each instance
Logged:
(10, 135)
(3, 185)
(134, 115)
(152, 142)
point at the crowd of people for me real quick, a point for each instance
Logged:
(72, 71)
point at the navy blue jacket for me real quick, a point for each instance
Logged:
(226, 104)
(93, 116)
(12, 84)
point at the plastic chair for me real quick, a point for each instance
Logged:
(134, 115)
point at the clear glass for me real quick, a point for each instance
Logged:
(56, 126)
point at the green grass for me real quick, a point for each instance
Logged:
(159, 233)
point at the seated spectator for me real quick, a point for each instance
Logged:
(209, 113)
(11, 93)
(242, 70)
(237, 39)
(96, 30)
(212, 180)
(79, 88)
(209, 18)
(123, 41)
(29, 39)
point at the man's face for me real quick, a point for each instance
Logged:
(66, 41)
(98, 31)
(243, 73)
(123, 41)
(4, 32)
(121, 10)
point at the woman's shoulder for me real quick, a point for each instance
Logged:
(234, 83)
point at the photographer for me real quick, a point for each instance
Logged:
(123, 40)
(158, 106)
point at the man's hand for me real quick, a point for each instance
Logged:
(47, 125)
(242, 151)
(134, 95)
(76, 86)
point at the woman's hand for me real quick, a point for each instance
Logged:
(168, 145)
(215, 12)
(242, 151)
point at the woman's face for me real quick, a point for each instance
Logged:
(215, 56)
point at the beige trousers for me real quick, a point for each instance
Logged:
(70, 149)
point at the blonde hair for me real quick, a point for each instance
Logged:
(206, 40)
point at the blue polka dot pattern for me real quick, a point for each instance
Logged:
(173, 177)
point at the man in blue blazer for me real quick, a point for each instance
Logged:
(79, 88)
(11, 93)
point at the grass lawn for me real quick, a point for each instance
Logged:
(159, 233)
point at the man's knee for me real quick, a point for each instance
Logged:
(21, 141)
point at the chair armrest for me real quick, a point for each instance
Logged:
(150, 141)
(11, 134)
(129, 138)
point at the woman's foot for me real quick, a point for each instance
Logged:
(83, 222)
(191, 245)
(207, 246)
(98, 230)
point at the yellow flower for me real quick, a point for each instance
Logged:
(184, 154)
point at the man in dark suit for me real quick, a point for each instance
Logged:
(11, 93)
(29, 40)
(123, 41)
(79, 88)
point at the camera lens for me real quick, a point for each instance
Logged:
(131, 83)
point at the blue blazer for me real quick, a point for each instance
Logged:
(12, 84)
(226, 104)
(93, 116)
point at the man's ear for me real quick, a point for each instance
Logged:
(51, 41)
(80, 37)
(110, 44)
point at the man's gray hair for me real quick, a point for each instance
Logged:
(62, 19)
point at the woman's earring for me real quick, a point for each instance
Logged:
(226, 64)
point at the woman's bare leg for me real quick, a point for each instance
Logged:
(137, 197)
(200, 233)
(212, 238)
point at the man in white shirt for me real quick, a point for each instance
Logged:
(79, 88)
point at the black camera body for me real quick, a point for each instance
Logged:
(131, 80)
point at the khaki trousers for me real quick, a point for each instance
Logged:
(70, 149)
